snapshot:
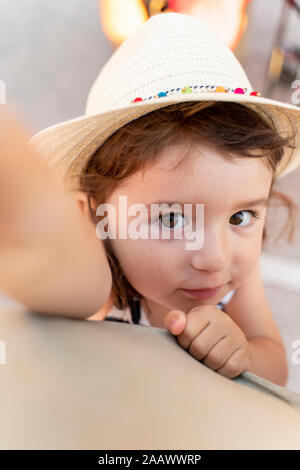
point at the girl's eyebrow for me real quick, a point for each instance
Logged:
(257, 202)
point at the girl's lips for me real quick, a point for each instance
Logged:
(202, 293)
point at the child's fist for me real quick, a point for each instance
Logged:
(212, 337)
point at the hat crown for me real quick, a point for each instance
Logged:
(168, 51)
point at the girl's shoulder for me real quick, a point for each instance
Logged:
(116, 314)
(104, 310)
(133, 314)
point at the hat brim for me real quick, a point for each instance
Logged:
(67, 146)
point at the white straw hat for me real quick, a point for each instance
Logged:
(170, 58)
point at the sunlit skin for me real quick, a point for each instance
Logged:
(159, 269)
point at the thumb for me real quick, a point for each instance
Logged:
(175, 321)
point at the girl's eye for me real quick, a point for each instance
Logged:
(170, 219)
(236, 217)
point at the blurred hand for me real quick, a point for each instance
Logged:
(50, 257)
(30, 195)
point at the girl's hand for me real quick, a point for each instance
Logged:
(212, 337)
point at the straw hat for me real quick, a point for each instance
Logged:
(170, 58)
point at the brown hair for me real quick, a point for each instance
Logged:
(234, 129)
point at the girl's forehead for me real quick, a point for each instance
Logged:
(205, 177)
(202, 167)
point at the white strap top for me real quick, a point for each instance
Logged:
(126, 315)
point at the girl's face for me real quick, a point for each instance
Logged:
(160, 268)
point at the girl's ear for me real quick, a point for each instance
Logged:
(82, 203)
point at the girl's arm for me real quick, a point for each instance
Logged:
(50, 258)
(269, 360)
(249, 309)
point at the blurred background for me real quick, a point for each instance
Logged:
(51, 52)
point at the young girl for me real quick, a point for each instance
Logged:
(169, 152)
(171, 118)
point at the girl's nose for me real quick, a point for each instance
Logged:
(215, 252)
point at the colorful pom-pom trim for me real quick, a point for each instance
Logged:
(197, 88)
